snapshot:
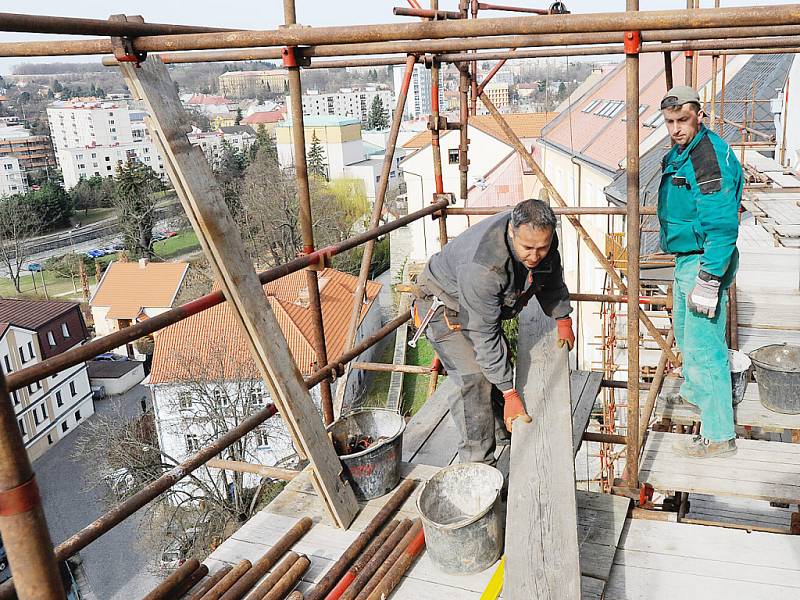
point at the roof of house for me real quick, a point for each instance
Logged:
(600, 138)
(525, 125)
(211, 342)
(31, 314)
(207, 99)
(272, 116)
(234, 129)
(128, 287)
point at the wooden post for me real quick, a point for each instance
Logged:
(222, 244)
(542, 559)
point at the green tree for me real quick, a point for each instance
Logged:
(229, 171)
(264, 141)
(136, 187)
(52, 203)
(95, 192)
(378, 118)
(56, 87)
(316, 159)
(562, 89)
(239, 117)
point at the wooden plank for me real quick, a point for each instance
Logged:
(542, 555)
(583, 409)
(423, 424)
(202, 200)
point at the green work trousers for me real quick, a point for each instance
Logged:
(706, 371)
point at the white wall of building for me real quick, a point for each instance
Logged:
(12, 177)
(212, 143)
(345, 103)
(792, 152)
(418, 101)
(102, 161)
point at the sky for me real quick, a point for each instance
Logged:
(268, 14)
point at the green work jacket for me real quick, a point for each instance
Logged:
(698, 201)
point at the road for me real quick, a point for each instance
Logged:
(115, 566)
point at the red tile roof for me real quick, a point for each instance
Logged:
(206, 99)
(272, 116)
(127, 288)
(213, 340)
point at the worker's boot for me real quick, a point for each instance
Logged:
(700, 447)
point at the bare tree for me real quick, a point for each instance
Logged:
(19, 223)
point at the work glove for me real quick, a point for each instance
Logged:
(565, 333)
(513, 408)
(704, 296)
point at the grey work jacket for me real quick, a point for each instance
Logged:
(478, 276)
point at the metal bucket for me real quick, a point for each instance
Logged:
(778, 377)
(740, 374)
(460, 510)
(375, 471)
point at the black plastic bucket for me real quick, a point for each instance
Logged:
(375, 471)
(778, 377)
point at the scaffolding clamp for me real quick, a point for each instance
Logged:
(449, 196)
(688, 53)
(322, 258)
(20, 499)
(633, 42)
(646, 495)
(291, 58)
(123, 45)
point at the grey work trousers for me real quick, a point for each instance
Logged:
(476, 406)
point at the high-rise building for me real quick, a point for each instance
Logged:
(418, 102)
(345, 103)
(33, 151)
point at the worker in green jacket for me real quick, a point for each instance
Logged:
(698, 206)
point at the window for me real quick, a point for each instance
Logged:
(30, 349)
(22, 427)
(34, 387)
(77, 416)
(220, 398)
(16, 397)
(184, 401)
(257, 396)
(655, 121)
(72, 388)
(7, 361)
(22, 355)
(262, 437)
(50, 339)
(64, 330)
(7, 166)
(642, 108)
(36, 416)
(64, 427)
(59, 400)
(49, 439)
(452, 156)
(591, 106)
(192, 442)
(44, 411)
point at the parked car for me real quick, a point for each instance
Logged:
(110, 356)
(35, 267)
(108, 250)
(95, 253)
(158, 236)
(98, 392)
(169, 234)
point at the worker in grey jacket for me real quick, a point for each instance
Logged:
(484, 276)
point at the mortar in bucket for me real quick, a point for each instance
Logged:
(374, 470)
(740, 365)
(460, 511)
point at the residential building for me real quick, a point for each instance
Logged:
(12, 177)
(249, 84)
(130, 292)
(33, 151)
(91, 138)
(345, 103)
(497, 177)
(418, 101)
(203, 364)
(238, 137)
(32, 331)
(347, 155)
(498, 94)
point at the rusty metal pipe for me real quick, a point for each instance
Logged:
(394, 555)
(22, 521)
(164, 589)
(224, 584)
(340, 566)
(188, 583)
(519, 9)
(74, 26)
(346, 357)
(398, 569)
(209, 583)
(268, 560)
(275, 576)
(80, 354)
(604, 438)
(288, 581)
(621, 299)
(652, 393)
(375, 560)
(425, 13)
(345, 584)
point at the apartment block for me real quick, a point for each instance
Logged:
(345, 103)
(12, 177)
(51, 408)
(248, 84)
(33, 151)
(418, 102)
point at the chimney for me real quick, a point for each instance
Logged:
(143, 263)
(303, 298)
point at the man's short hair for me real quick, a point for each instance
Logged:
(535, 213)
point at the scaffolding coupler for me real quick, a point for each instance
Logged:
(291, 58)
(451, 199)
(123, 45)
(322, 256)
(633, 42)
(21, 499)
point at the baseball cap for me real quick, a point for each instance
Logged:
(678, 96)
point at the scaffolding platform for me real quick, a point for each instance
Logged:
(601, 519)
(760, 470)
(748, 413)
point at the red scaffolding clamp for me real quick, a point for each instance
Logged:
(123, 45)
(633, 42)
(20, 499)
(292, 58)
(646, 495)
(688, 53)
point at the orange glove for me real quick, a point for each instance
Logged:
(513, 408)
(565, 333)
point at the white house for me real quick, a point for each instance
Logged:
(12, 177)
(51, 408)
(130, 292)
(204, 379)
(212, 143)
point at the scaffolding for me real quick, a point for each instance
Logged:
(439, 37)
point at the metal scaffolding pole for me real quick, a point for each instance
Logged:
(304, 216)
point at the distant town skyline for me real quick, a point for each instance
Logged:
(249, 14)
